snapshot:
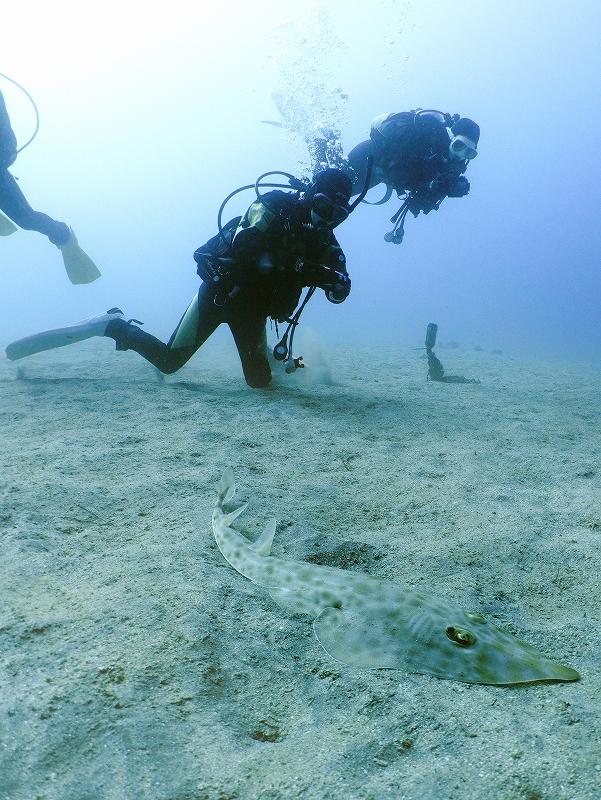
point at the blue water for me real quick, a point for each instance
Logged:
(149, 120)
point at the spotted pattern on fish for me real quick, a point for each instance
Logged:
(369, 622)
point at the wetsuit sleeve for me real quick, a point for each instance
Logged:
(8, 140)
(433, 177)
(409, 151)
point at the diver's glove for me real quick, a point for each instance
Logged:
(423, 200)
(428, 198)
(336, 284)
(339, 288)
(450, 185)
(459, 187)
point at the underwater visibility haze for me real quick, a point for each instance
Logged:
(426, 622)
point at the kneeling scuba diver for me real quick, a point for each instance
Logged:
(254, 268)
(282, 234)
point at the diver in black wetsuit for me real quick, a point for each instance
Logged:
(13, 203)
(282, 243)
(12, 200)
(421, 154)
(255, 268)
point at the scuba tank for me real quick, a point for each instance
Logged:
(387, 131)
(215, 264)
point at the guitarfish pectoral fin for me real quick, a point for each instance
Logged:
(357, 641)
(294, 602)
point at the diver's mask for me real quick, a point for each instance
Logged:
(462, 148)
(329, 212)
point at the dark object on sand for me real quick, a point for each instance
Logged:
(435, 368)
(431, 332)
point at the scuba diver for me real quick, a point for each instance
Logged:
(421, 155)
(435, 368)
(79, 266)
(254, 268)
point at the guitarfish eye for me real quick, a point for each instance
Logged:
(460, 636)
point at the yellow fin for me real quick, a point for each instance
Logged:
(6, 226)
(80, 267)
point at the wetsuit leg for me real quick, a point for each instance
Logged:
(248, 329)
(16, 207)
(199, 321)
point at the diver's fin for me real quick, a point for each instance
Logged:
(59, 337)
(6, 226)
(80, 267)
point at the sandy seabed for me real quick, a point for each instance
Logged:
(135, 663)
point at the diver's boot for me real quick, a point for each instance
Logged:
(166, 358)
(129, 336)
(6, 226)
(124, 333)
(80, 267)
(59, 337)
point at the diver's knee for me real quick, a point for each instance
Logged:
(169, 367)
(256, 382)
(257, 372)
